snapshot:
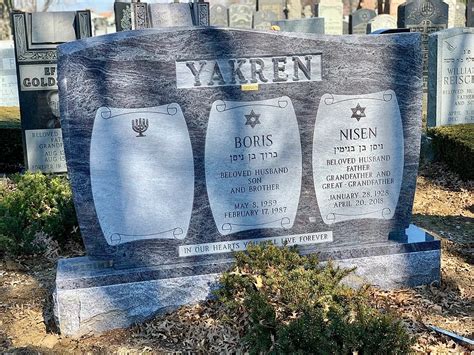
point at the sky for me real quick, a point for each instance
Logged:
(68, 5)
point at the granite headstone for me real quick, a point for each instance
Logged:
(262, 20)
(36, 38)
(359, 19)
(234, 137)
(304, 25)
(381, 22)
(8, 80)
(170, 15)
(240, 16)
(451, 77)
(219, 16)
(451, 12)
(332, 12)
(294, 9)
(275, 6)
(425, 16)
(460, 17)
(130, 15)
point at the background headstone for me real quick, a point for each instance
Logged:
(36, 38)
(240, 16)
(275, 6)
(130, 15)
(381, 22)
(304, 25)
(425, 16)
(451, 12)
(460, 18)
(331, 11)
(262, 20)
(170, 15)
(358, 21)
(451, 77)
(201, 13)
(470, 14)
(219, 16)
(394, 7)
(294, 8)
(8, 79)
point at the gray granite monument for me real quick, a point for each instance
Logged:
(240, 16)
(358, 21)
(36, 37)
(425, 16)
(130, 15)
(8, 80)
(451, 77)
(170, 15)
(304, 25)
(234, 137)
(382, 22)
(275, 6)
(460, 15)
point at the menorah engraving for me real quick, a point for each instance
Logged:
(140, 125)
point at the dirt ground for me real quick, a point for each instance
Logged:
(443, 205)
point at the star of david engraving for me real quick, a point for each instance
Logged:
(252, 119)
(358, 112)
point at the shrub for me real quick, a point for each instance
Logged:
(32, 204)
(455, 146)
(294, 304)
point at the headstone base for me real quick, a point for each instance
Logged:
(92, 296)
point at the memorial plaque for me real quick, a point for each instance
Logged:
(200, 10)
(358, 21)
(451, 77)
(262, 20)
(36, 38)
(306, 25)
(425, 16)
(381, 22)
(331, 11)
(275, 6)
(170, 15)
(219, 16)
(8, 80)
(470, 14)
(224, 138)
(240, 16)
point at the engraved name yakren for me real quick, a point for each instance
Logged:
(241, 71)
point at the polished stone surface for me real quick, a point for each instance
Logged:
(450, 77)
(358, 21)
(120, 72)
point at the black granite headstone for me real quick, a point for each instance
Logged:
(36, 38)
(425, 16)
(359, 19)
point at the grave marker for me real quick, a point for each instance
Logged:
(305, 25)
(36, 38)
(170, 15)
(240, 16)
(425, 16)
(234, 137)
(219, 16)
(470, 14)
(262, 20)
(130, 15)
(8, 80)
(359, 19)
(381, 22)
(451, 74)
(332, 12)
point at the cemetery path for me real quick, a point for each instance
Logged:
(444, 204)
